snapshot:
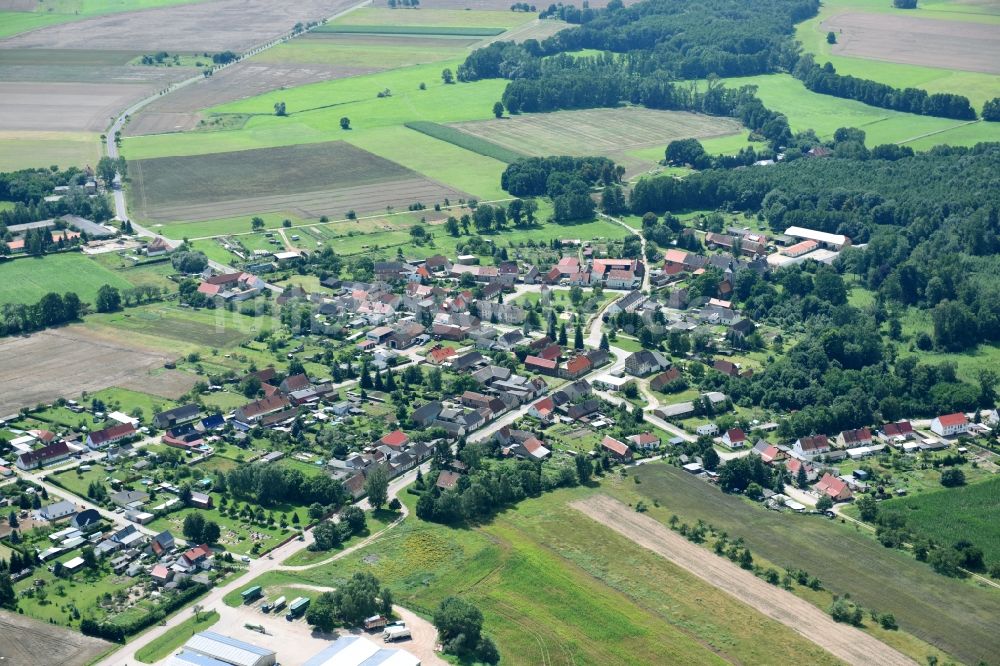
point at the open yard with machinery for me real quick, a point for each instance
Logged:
(309, 180)
(954, 615)
(597, 131)
(28, 641)
(65, 362)
(207, 26)
(917, 41)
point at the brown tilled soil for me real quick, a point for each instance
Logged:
(27, 642)
(500, 5)
(912, 40)
(209, 26)
(64, 106)
(62, 363)
(843, 641)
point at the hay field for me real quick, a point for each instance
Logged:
(309, 180)
(27, 280)
(24, 150)
(911, 40)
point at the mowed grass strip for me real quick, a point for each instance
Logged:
(956, 616)
(436, 31)
(467, 141)
(383, 16)
(951, 514)
(26, 280)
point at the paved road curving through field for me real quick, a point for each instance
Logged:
(843, 641)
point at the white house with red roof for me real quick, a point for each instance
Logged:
(794, 465)
(543, 410)
(813, 445)
(43, 456)
(645, 441)
(734, 438)
(896, 432)
(950, 425)
(102, 438)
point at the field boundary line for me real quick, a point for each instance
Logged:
(940, 131)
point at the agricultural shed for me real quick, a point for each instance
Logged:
(229, 650)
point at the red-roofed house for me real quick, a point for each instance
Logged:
(768, 453)
(794, 465)
(255, 411)
(543, 410)
(396, 439)
(198, 556)
(101, 438)
(734, 438)
(49, 454)
(673, 262)
(812, 446)
(161, 574)
(618, 450)
(950, 425)
(541, 365)
(576, 366)
(852, 438)
(619, 279)
(896, 431)
(834, 488)
(440, 354)
(551, 353)
(645, 440)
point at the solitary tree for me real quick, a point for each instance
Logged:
(279, 109)
(109, 299)
(831, 37)
(447, 76)
(498, 109)
(377, 487)
(345, 123)
(257, 224)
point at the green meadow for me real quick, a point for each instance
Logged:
(26, 280)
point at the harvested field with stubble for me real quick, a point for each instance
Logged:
(597, 131)
(61, 362)
(307, 180)
(27, 642)
(220, 25)
(967, 46)
(843, 641)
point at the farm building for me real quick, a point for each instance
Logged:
(829, 241)
(43, 456)
(228, 650)
(357, 650)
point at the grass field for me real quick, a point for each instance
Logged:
(468, 141)
(176, 328)
(27, 280)
(163, 646)
(825, 113)
(556, 588)
(950, 514)
(364, 53)
(956, 616)
(24, 150)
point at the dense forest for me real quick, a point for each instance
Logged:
(652, 46)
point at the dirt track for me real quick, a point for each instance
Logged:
(843, 641)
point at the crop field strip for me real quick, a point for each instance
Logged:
(410, 30)
(600, 130)
(468, 141)
(954, 615)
